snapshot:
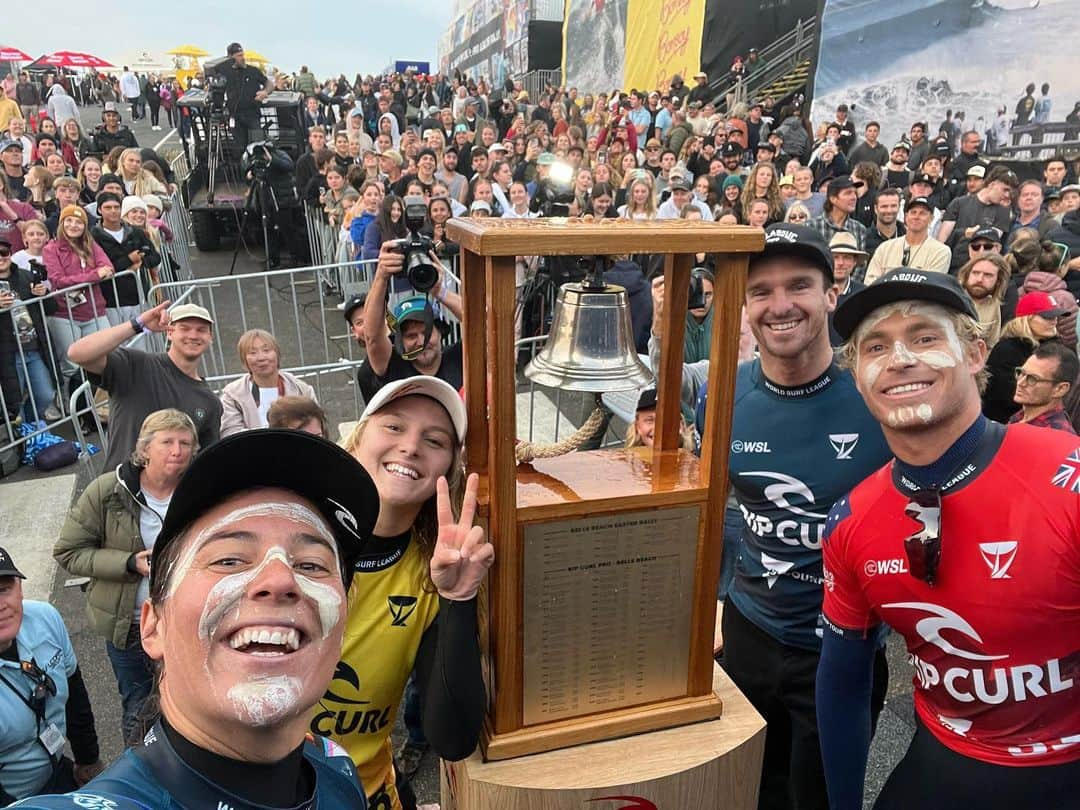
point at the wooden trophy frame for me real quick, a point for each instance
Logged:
(601, 507)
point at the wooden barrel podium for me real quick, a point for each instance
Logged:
(597, 618)
(715, 764)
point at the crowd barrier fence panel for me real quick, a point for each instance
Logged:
(63, 376)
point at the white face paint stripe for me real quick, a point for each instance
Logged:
(870, 370)
(229, 590)
(267, 700)
(290, 511)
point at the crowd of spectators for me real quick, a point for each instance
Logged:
(78, 207)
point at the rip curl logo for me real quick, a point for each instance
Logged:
(93, 802)
(346, 519)
(401, 608)
(347, 675)
(635, 802)
(939, 620)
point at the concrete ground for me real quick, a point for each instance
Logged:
(33, 505)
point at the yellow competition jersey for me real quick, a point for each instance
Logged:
(388, 614)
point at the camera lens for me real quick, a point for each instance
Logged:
(422, 274)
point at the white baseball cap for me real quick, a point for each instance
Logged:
(182, 311)
(425, 386)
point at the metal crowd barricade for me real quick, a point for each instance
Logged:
(177, 266)
(50, 363)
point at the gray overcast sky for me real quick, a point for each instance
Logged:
(330, 38)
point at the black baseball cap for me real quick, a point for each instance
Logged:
(45, 136)
(988, 233)
(318, 470)
(646, 400)
(353, 304)
(234, 48)
(1051, 193)
(844, 181)
(787, 239)
(7, 566)
(901, 284)
(731, 149)
(923, 201)
(768, 147)
(922, 177)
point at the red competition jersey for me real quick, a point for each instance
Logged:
(995, 643)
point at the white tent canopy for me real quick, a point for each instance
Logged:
(144, 60)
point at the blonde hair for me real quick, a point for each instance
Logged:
(425, 528)
(39, 180)
(1020, 327)
(120, 162)
(968, 330)
(772, 193)
(633, 438)
(247, 343)
(165, 419)
(650, 199)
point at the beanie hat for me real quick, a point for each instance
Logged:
(73, 211)
(130, 203)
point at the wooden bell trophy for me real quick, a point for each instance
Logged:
(597, 620)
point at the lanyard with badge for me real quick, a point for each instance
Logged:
(51, 738)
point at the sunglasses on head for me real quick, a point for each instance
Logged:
(44, 685)
(923, 548)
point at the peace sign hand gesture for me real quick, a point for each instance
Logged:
(462, 555)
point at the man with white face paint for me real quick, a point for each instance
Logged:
(971, 519)
(801, 438)
(245, 618)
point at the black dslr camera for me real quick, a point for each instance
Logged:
(259, 157)
(422, 274)
(38, 273)
(696, 298)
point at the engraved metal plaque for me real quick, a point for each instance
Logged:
(607, 609)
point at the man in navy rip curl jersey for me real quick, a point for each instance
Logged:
(801, 438)
(968, 545)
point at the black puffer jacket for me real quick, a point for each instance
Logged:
(125, 291)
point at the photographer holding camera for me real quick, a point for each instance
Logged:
(246, 87)
(128, 248)
(414, 347)
(269, 171)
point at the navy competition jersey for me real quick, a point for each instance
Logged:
(155, 777)
(995, 641)
(794, 453)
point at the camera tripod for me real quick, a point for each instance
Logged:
(260, 195)
(215, 151)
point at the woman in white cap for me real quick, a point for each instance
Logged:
(426, 571)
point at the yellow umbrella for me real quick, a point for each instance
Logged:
(255, 58)
(188, 50)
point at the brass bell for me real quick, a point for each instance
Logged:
(590, 346)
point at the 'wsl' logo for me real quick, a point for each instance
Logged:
(999, 557)
(843, 444)
(401, 608)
